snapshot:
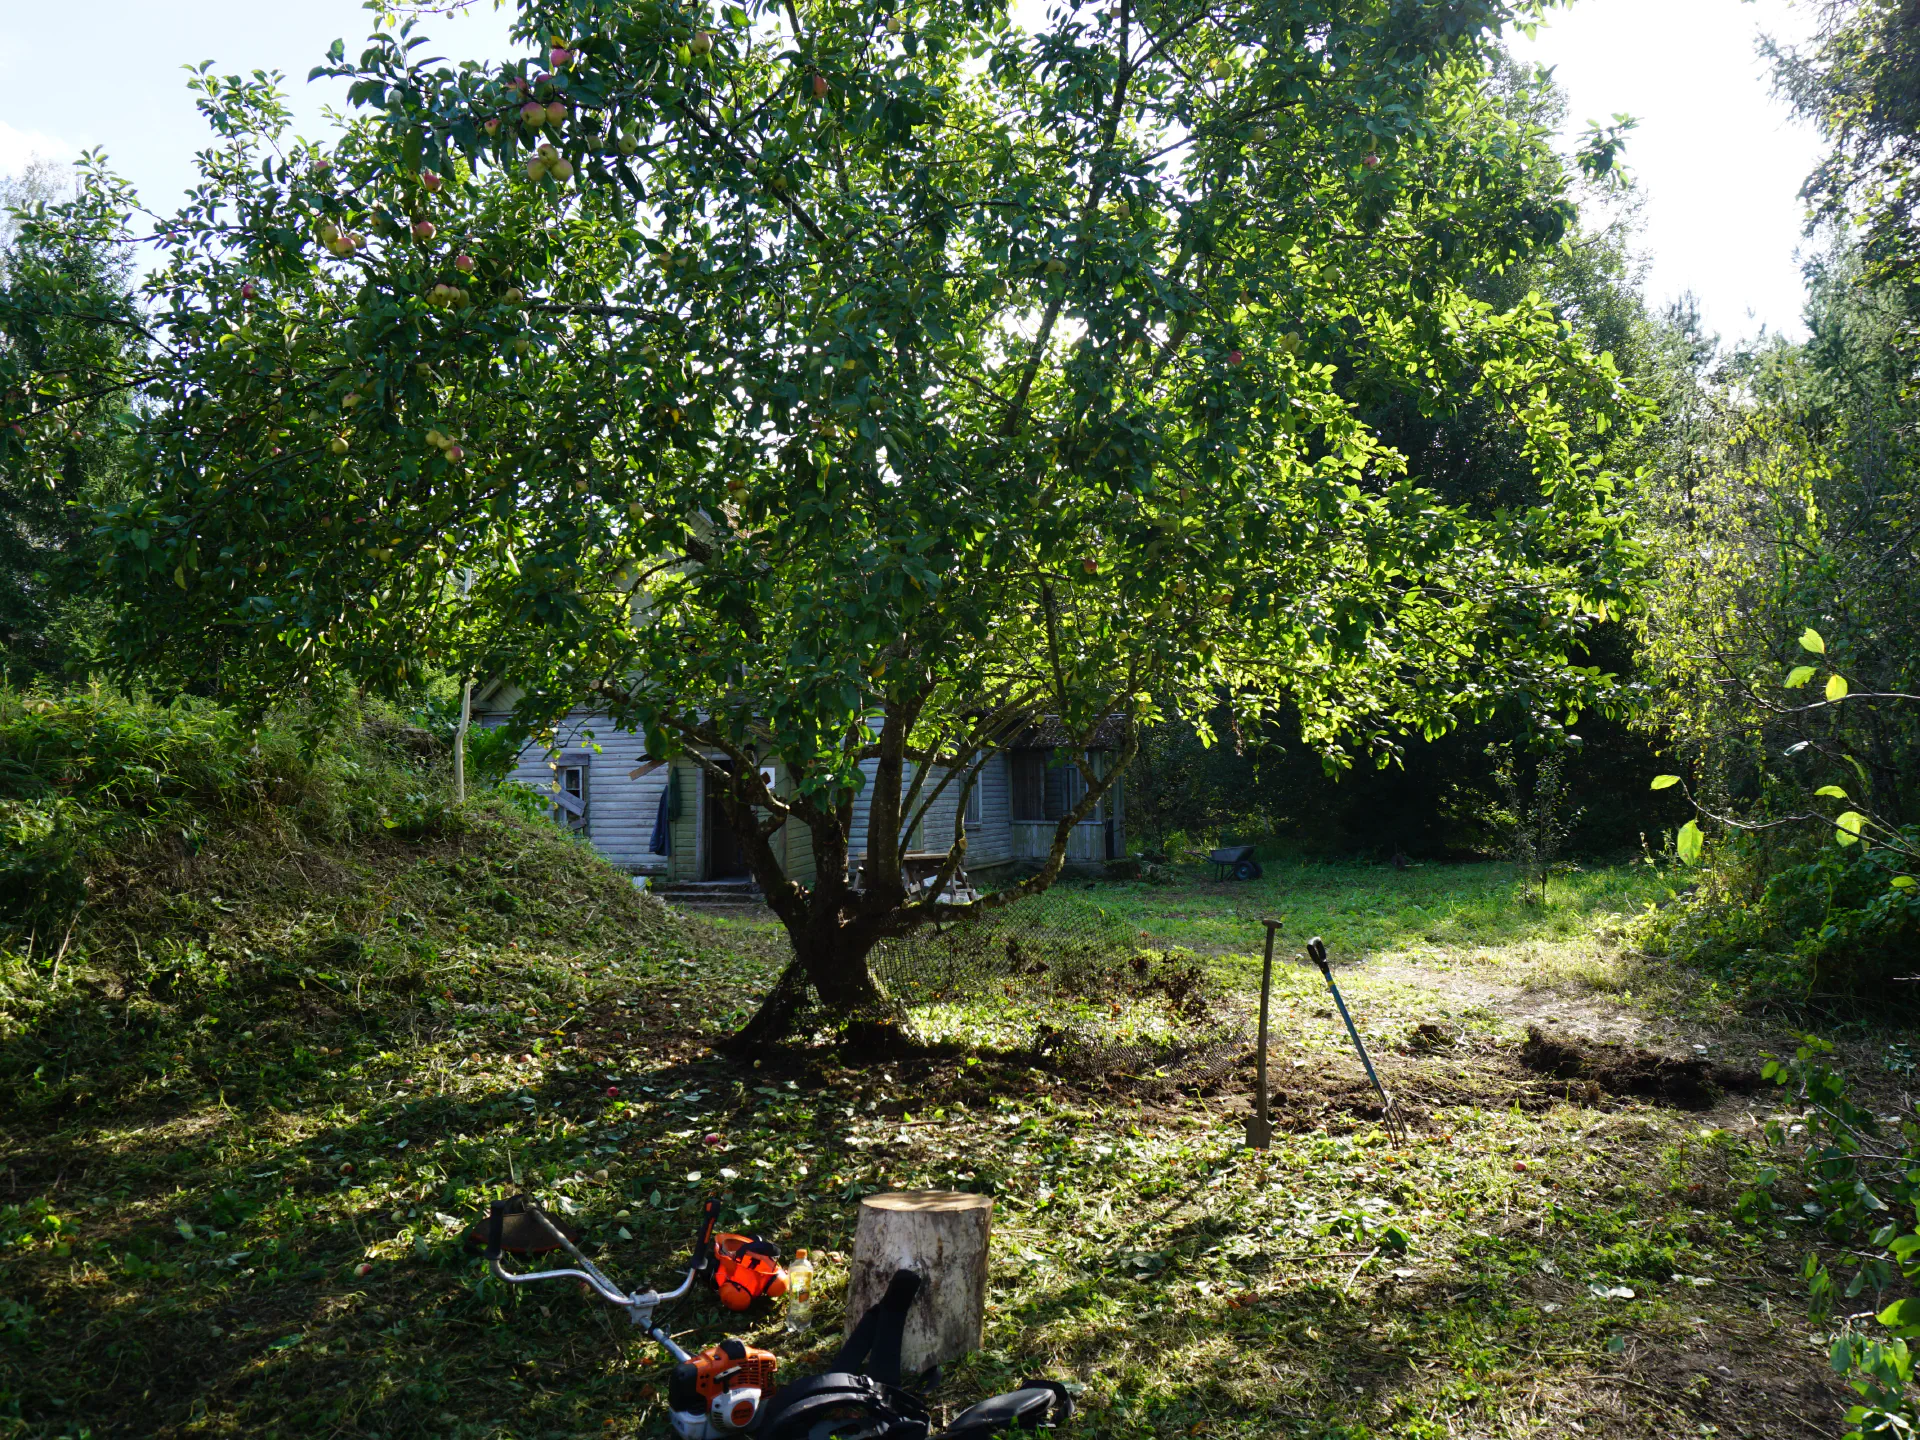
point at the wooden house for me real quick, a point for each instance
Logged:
(657, 819)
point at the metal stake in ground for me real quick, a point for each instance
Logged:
(1259, 1125)
(1389, 1112)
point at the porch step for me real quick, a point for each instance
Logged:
(729, 894)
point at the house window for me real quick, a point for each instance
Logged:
(570, 796)
(1029, 784)
(1064, 787)
(975, 812)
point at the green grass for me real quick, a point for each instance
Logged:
(1369, 910)
(271, 1076)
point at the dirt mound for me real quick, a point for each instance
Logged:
(1690, 1084)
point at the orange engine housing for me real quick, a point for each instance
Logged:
(744, 1269)
(731, 1365)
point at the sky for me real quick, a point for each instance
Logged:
(1717, 160)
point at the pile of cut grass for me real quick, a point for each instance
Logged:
(198, 909)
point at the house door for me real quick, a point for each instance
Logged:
(726, 860)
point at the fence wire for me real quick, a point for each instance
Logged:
(1079, 990)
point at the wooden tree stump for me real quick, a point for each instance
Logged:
(942, 1234)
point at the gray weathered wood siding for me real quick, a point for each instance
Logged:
(620, 809)
(990, 844)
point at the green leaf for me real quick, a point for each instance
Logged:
(1901, 1312)
(1847, 826)
(1832, 792)
(1810, 640)
(1798, 676)
(1836, 687)
(1903, 882)
(1689, 842)
(1665, 782)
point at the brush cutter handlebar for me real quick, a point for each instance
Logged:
(639, 1306)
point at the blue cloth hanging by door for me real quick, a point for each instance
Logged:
(669, 811)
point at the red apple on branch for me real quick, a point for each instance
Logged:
(463, 262)
(432, 181)
(821, 88)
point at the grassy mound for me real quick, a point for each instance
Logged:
(196, 910)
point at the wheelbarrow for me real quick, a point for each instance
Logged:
(1234, 862)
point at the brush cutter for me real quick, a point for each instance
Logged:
(720, 1391)
(727, 1389)
(1395, 1122)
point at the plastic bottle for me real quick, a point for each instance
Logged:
(799, 1292)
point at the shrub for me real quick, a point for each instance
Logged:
(1802, 917)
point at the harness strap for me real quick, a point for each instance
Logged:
(874, 1346)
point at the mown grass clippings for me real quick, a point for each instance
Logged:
(252, 1115)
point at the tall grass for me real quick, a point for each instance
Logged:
(90, 779)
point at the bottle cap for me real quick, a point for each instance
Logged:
(801, 1253)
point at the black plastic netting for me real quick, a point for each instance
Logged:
(1078, 989)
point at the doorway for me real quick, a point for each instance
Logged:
(726, 859)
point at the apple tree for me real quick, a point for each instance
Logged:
(850, 382)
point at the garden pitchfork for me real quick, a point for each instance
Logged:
(1394, 1121)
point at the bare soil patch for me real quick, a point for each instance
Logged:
(1690, 1084)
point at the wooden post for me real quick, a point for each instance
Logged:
(942, 1234)
(460, 743)
(1259, 1124)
